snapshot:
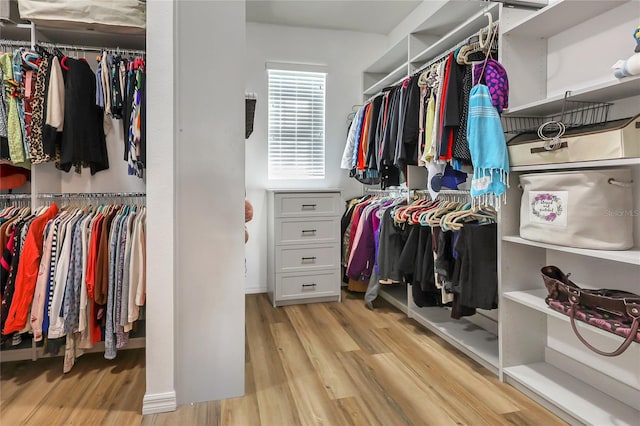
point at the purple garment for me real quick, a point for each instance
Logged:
(363, 257)
(495, 78)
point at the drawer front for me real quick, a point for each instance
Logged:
(307, 205)
(307, 258)
(291, 231)
(307, 286)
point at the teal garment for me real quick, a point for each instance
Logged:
(488, 149)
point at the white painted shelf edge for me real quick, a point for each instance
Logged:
(388, 80)
(474, 341)
(10, 355)
(583, 402)
(389, 57)
(534, 299)
(606, 91)
(631, 256)
(578, 165)
(559, 16)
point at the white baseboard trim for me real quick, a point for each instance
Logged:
(255, 290)
(159, 403)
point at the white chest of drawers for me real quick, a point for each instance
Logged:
(304, 246)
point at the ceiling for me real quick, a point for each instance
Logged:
(370, 16)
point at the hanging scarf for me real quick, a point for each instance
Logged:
(488, 149)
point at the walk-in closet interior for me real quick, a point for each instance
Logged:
(423, 180)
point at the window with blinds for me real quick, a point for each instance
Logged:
(296, 124)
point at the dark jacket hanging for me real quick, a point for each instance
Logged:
(83, 139)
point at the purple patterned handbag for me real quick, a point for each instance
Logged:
(615, 311)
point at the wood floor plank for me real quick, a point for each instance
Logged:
(321, 350)
(456, 382)
(391, 371)
(312, 401)
(275, 400)
(244, 410)
(375, 397)
(329, 328)
(356, 412)
(419, 403)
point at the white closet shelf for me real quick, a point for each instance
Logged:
(389, 79)
(395, 55)
(475, 342)
(579, 165)
(560, 16)
(606, 91)
(534, 299)
(460, 33)
(623, 256)
(578, 399)
(396, 294)
(9, 355)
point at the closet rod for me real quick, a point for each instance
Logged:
(444, 55)
(26, 44)
(445, 192)
(18, 43)
(15, 196)
(93, 195)
(92, 48)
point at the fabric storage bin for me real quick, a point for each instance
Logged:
(614, 139)
(591, 209)
(122, 16)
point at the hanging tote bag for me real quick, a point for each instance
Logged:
(615, 311)
(590, 209)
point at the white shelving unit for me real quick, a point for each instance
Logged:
(623, 256)
(549, 51)
(545, 55)
(569, 45)
(548, 362)
(446, 25)
(582, 403)
(45, 178)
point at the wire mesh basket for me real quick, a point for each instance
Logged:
(574, 114)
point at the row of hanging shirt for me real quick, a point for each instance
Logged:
(54, 108)
(445, 118)
(73, 276)
(446, 249)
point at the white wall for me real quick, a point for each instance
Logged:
(160, 394)
(345, 54)
(209, 187)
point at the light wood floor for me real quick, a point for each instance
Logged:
(317, 364)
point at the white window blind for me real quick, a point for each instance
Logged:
(296, 124)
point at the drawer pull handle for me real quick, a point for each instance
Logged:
(308, 231)
(309, 258)
(309, 285)
(309, 206)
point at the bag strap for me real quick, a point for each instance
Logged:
(626, 304)
(623, 347)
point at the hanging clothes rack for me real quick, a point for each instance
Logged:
(443, 56)
(49, 45)
(92, 48)
(93, 195)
